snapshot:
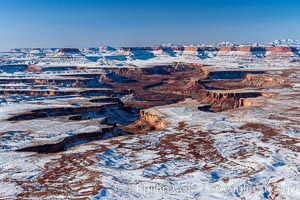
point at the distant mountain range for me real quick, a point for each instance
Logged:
(286, 42)
(283, 42)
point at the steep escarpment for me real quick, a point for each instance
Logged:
(190, 87)
(225, 100)
(159, 70)
(67, 142)
(247, 52)
(157, 85)
(154, 118)
(34, 68)
(263, 80)
(250, 52)
(150, 120)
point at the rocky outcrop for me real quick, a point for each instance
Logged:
(228, 49)
(154, 118)
(191, 49)
(178, 48)
(251, 102)
(160, 70)
(224, 100)
(34, 68)
(262, 80)
(247, 52)
(251, 52)
(218, 94)
(150, 120)
(279, 49)
(194, 86)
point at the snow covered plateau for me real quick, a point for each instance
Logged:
(161, 122)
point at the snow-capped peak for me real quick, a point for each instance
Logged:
(225, 44)
(286, 42)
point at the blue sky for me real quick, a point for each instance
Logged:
(88, 23)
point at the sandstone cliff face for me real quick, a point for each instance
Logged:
(191, 49)
(247, 52)
(194, 86)
(154, 118)
(244, 52)
(227, 49)
(253, 52)
(224, 100)
(251, 102)
(262, 80)
(161, 70)
(34, 68)
(279, 49)
(150, 120)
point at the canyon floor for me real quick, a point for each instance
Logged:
(219, 126)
